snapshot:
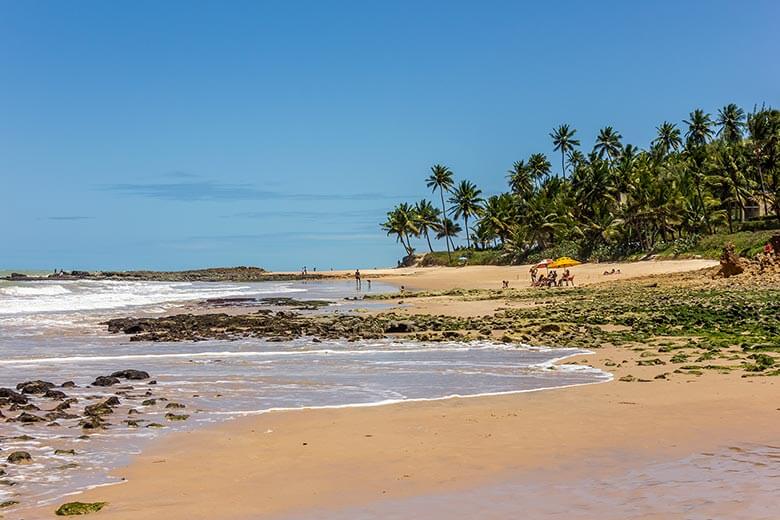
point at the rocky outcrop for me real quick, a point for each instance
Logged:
(79, 508)
(19, 457)
(27, 418)
(135, 375)
(35, 387)
(55, 394)
(99, 409)
(730, 263)
(10, 396)
(105, 381)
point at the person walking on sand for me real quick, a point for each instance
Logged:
(357, 279)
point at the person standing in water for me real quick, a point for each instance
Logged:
(357, 279)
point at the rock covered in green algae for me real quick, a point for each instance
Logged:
(79, 508)
(64, 452)
(19, 457)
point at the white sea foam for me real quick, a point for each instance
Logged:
(85, 295)
(39, 290)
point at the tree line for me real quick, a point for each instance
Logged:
(616, 199)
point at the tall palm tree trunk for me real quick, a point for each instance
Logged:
(763, 189)
(466, 223)
(428, 239)
(703, 208)
(563, 163)
(444, 221)
(408, 245)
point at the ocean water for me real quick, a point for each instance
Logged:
(52, 331)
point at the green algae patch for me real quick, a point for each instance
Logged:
(79, 508)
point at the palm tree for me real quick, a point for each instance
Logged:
(564, 141)
(668, 138)
(448, 229)
(538, 166)
(608, 143)
(731, 120)
(728, 182)
(426, 219)
(699, 128)
(401, 222)
(498, 215)
(520, 179)
(764, 130)
(441, 179)
(467, 203)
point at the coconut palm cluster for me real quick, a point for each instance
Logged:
(706, 175)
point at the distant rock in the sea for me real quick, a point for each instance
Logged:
(105, 381)
(35, 387)
(10, 396)
(131, 374)
(19, 457)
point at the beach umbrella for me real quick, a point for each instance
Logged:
(564, 261)
(544, 263)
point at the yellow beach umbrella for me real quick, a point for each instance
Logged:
(564, 261)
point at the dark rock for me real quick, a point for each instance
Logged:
(55, 394)
(131, 374)
(34, 387)
(79, 508)
(98, 409)
(149, 402)
(64, 452)
(56, 414)
(174, 405)
(26, 407)
(27, 418)
(550, 327)
(68, 384)
(12, 396)
(112, 401)
(401, 326)
(64, 405)
(92, 422)
(19, 457)
(105, 381)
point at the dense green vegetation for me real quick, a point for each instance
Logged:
(677, 197)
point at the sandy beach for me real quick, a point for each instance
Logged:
(311, 462)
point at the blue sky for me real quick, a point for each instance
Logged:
(171, 134)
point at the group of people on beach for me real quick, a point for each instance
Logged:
(551, 278)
